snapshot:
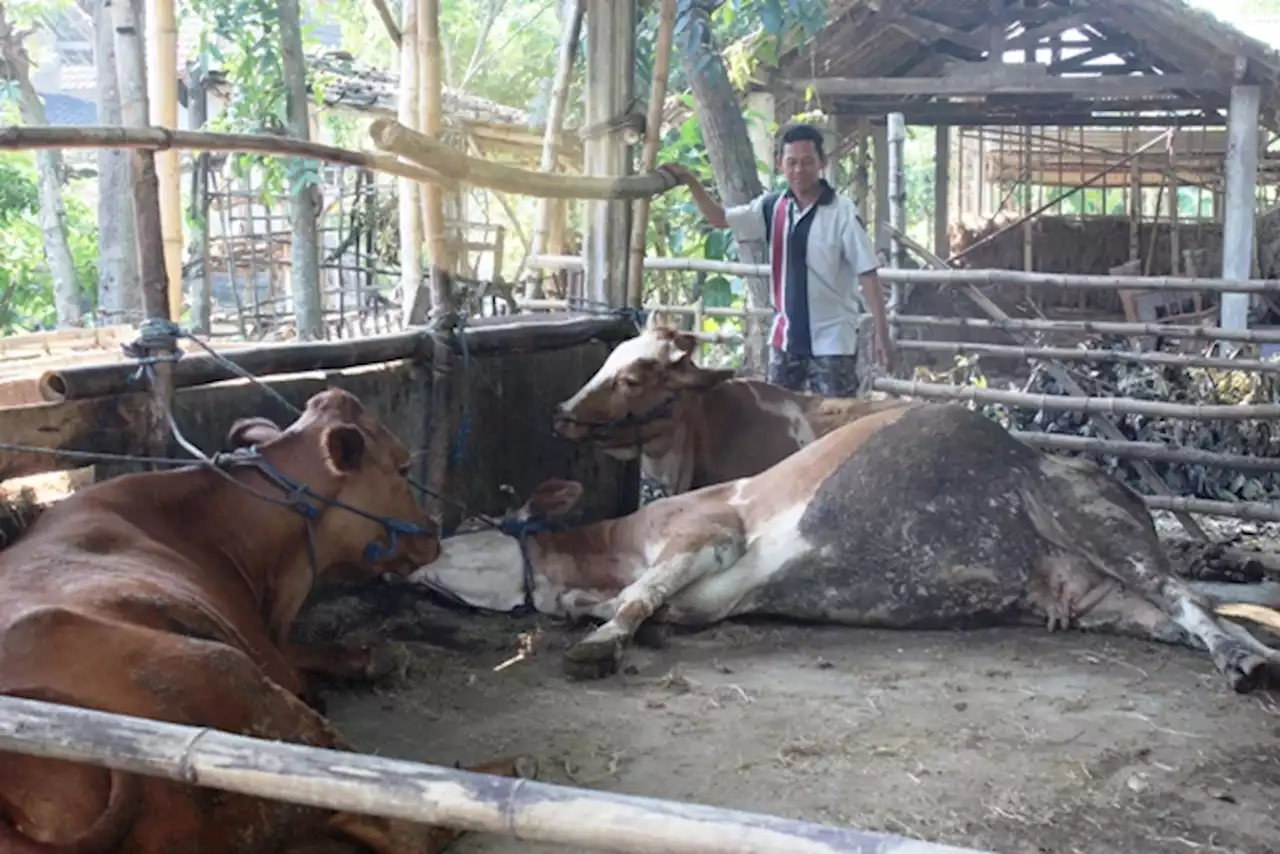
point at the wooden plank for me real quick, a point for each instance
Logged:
(1004, 82)
(933, 31)
(1031, 36)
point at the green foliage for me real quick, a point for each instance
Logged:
(26, 286)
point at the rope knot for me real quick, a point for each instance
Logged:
(155, 334)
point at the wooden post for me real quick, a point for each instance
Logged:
(162, 92)
(132, 70)
(202, 285)
(611, 35)
(408, 191)
(649, 157)
(1242, 182)
(862, 168)
(941, 190)
(551, 212)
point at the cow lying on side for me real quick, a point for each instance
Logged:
(921, 516)
(695, 426)
(170, 596)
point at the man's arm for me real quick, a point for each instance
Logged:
(746, 221)
(861, 254)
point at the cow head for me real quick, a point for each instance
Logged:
(486, 568)
(632, 399)
(347, 457)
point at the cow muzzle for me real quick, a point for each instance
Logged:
(565, 425)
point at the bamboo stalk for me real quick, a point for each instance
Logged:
(564, 305)
(409, 195)
(162, 94)
(418, 792)
(649, 156)
(1016, 278)
(393, 136)
(1095, 327)
(148, 138)
(1145, 451)
(1093, 356)
(570, 37)
(1071, 403)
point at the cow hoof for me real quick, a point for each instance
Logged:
(1246, 671)
(593, 660)
(387, 659)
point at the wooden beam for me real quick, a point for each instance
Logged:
(1030, 38)
(1242, 183)
(1007, 82)
(933, 31)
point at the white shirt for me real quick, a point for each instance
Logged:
(815, 268)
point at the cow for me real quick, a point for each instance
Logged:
(170, 596)
(923, 516)
(693, 426)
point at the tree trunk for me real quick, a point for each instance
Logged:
(53, 215)
(733, 163)
(306, 195)
(119, 288)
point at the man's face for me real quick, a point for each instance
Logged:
(801, 165)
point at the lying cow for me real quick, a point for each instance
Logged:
(170, 596)
(695, 426)
(921, 516)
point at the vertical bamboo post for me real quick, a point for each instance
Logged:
(1241, 202)
(431, 112)
(409, 191)
(551, 211)
(941, 189)
(649, 156)
(132, 70)
(897, 136)
(202, 285)
(162, 93)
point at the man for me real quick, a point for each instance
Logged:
(818, 246)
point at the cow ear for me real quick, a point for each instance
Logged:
(688, 375)
(554, 497)
(682, 346)
(344, 447)
(251, 431)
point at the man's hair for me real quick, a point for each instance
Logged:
(801, 132)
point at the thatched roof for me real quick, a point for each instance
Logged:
(877, 39)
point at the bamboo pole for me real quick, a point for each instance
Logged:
(395, 137)
(432, 112)
(1061, 280)
(1092, 356)
(1073, 403)
(1094, 327)
(570, 38)
(649, 156)
(1145, 451)
(409, 195)
(147, 138)
(162, 93)
(131, 69)
(1253, 510)
(421, 793)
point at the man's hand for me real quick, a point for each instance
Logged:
(885, 354)
(680, 173)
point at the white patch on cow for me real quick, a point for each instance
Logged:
(801, 431)
(484, 569)
(735, 498)
(628, 352)
(770, 549)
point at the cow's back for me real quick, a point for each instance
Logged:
(746, 427)
(922, 524)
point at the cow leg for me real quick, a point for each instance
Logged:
(682, 562)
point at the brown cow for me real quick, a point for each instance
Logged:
(695, 426)
(922, 516)
(170, 596)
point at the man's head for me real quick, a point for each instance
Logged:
(801, 157)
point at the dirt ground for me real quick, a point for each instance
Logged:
(1010, 741)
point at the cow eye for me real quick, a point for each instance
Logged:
(628, 381)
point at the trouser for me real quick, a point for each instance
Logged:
(829, 376)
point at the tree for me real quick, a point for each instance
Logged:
(53, 215)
